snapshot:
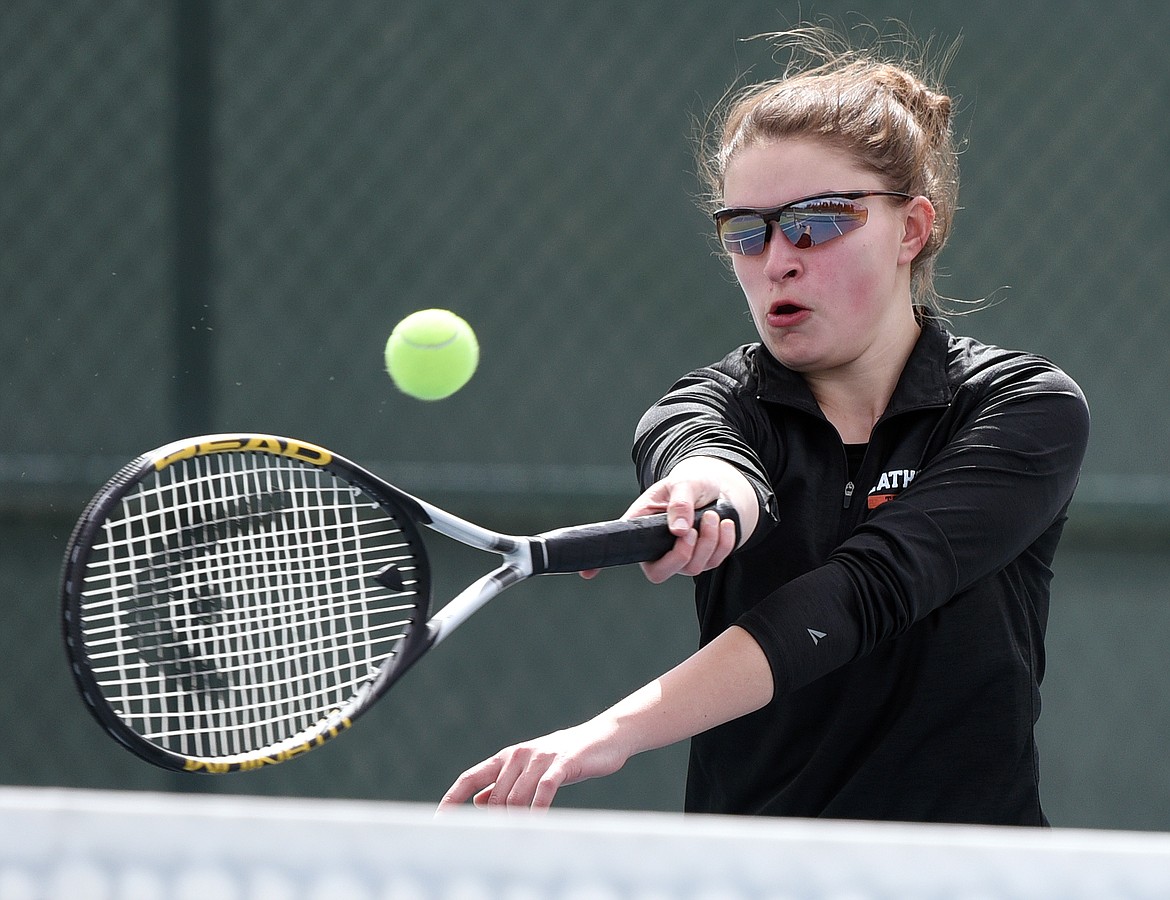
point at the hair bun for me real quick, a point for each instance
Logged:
(930, 109)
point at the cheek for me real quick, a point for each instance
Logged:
(744, 268)
(749, 274)
(858, 281)
(856, 292)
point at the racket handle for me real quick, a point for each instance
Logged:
(616, 543)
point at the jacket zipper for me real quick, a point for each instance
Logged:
(849, 485)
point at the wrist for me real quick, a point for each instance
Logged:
(715, 479)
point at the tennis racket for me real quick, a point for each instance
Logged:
(233, 601)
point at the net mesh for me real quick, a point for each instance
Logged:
(229, 603)
(148, 847)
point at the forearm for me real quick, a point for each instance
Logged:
(728, 678)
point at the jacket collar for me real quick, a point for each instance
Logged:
(923, 382)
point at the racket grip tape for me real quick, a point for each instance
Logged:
(616, 543)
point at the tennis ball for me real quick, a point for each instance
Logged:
(431, 354)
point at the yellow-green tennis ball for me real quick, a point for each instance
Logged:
(431, 354)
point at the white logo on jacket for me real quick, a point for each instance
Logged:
(889, 485)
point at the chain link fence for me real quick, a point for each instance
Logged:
(529, 165)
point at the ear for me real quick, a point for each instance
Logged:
(918, 219)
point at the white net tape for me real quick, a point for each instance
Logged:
(118, 846)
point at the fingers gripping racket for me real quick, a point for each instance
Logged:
(233, 601)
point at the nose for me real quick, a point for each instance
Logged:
(781, 259)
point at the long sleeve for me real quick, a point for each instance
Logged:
(705, 414)
(1001, 481)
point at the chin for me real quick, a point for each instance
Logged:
(793, 356)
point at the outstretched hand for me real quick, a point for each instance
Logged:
(528, 775)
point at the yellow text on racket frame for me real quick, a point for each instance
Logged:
(262, 443)
(220, 768)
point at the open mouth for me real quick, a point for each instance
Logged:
(783, 315)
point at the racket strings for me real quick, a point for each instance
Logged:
(231, 606)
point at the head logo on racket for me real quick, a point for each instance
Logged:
(260, 443)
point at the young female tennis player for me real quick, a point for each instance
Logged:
(874, 647)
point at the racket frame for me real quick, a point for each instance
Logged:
(564, 550)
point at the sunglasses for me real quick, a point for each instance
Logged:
(805, 223)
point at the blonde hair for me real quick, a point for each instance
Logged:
(886, 109)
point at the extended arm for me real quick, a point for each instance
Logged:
(728, 678)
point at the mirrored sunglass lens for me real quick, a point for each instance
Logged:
(745, 235)
(813, 223)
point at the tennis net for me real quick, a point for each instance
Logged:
(59, 843)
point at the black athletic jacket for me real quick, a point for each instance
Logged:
(902, 610)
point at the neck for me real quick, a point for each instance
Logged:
(853, 397)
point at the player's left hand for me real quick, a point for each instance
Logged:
(528, 775)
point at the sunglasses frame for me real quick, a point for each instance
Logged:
(772, 216)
